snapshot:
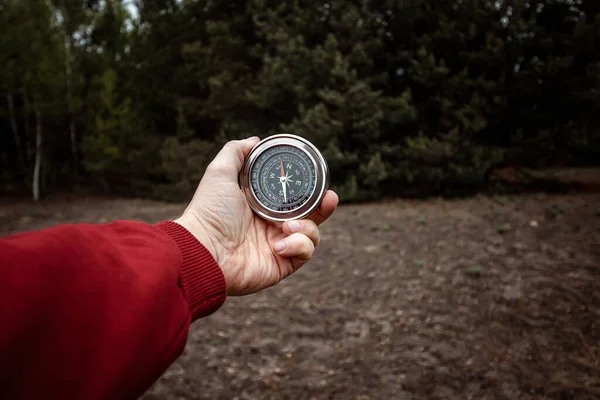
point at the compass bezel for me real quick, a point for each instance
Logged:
(321, 178)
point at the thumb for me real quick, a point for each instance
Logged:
(230, 159)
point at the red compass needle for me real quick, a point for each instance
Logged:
(281, 166)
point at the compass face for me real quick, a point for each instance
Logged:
(283, 178)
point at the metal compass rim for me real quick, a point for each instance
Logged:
(321, 177)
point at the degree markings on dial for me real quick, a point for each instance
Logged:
(299, 178)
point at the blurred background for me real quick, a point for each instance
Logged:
(463, 138)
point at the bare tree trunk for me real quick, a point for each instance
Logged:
(15, 128)
(38, 155)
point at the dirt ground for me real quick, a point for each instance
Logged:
(486, 298)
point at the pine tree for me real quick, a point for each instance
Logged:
(346, 123)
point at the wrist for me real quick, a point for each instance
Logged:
(193, 225)
(200, 277)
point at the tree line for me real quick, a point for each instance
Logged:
(412, 97)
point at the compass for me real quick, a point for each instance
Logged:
(284, 177)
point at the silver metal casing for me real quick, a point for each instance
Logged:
(321, 177)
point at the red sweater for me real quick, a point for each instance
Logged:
(99, 311)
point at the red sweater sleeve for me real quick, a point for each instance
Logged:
(99, 311)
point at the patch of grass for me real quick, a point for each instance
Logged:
(502, 200)
(387, 226)
(447, 228)
(474, 270)
(503, 228)
(554, 210)
(419, 263)
(374, 227)
(421, 220)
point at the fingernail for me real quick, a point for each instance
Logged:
(294, 226)
(279, 246)
(253, 138)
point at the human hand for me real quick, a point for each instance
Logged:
(253, 253)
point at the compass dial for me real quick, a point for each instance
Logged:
(283, 178)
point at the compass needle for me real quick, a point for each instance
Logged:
(284, 190)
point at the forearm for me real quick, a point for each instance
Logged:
(99, 311)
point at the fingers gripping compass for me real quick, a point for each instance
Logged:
(284, 177)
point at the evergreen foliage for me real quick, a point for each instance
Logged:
(417, 97)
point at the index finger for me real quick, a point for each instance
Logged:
(328, 205)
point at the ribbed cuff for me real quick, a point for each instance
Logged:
(202, 280)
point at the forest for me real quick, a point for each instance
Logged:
(404, 97)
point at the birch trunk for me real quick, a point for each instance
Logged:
(38, 154)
